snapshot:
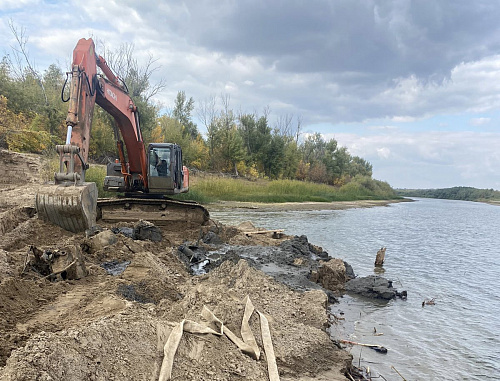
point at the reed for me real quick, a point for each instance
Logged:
(225, 189)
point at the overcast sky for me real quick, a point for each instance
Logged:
(411, 86)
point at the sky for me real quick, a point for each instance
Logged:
(411, 86)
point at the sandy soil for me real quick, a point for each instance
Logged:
(113, 327)
(290, 206)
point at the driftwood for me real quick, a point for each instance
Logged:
(265, 231)
(379, 260)
(400, 375)
(375, 347)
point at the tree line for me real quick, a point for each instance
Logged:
(32, 119)
(454, 193)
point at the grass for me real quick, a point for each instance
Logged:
(96, 174)
(223, 189)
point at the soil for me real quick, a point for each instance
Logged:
(113, 327)
(288, 206)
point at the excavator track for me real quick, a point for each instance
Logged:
(163, 211)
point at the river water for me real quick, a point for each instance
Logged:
(441, 249)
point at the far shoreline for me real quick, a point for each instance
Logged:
(296, 206)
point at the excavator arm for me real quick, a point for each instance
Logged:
(71, 202)
(86, 90)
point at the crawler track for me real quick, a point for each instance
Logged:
(159, 211)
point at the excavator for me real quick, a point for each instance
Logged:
(143, 175)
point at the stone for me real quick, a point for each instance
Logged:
(332, 274)
(373, 286)
(103, 239)
(145, 230)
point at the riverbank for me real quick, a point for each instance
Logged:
(292, 206)
(111, 317)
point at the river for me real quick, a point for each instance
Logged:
(442, 249)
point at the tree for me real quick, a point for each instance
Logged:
(313, 148)
(182, 112)
(359, 166)
(207, 114)
(194, 151)
(257, 139)
(274, 156)
(291, 159)
(137, 80)
(342, 159)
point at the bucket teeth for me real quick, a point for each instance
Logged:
(74, 207)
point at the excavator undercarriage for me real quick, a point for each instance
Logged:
(163, 212)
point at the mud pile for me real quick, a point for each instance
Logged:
(114, 324)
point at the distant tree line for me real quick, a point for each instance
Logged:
(32, 119)
(455, 193)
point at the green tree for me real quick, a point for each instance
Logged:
(291, 159)
(313, 148)
(257, 139)
(183, 108)
(359, 166)
(274, 156)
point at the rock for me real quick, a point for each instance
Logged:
(126, 231)
(349, 272)
(114, 267)
(332, 274)
(59, 264)
(212, 238)
(145, 230)
(93, 230)
(101, 240)
(298, 262)
(77, 270)
(300, 246)
(246, 226)
(373, 286)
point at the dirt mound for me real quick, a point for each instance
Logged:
(126, 342)
(20, 168)
(113, 322)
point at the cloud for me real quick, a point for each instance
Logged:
(17, 4)
(332, 62)
(386, 128)
(429, 159)
(479, 121)
(335, 63)
(384, 152)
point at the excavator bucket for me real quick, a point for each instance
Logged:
(72, 207)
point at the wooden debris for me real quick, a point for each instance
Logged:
(265, 231)
(430, 302)
(392, 366)
(379, 260)
(375, 347)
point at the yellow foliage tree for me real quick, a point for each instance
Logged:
(22, 134)
(194, 151)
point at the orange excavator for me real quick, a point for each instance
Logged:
(143, 175)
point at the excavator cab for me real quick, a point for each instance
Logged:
(166, 174)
